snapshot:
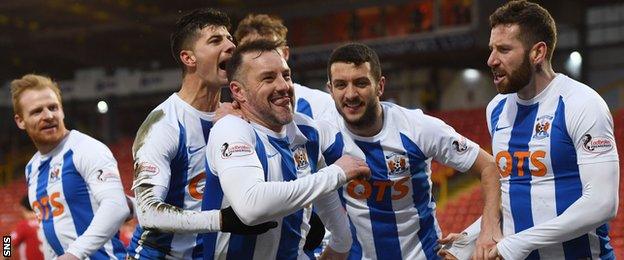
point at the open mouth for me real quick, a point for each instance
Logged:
(353, 106)
(222, 65)
(49, 127)
(280, 100)
(498, 77)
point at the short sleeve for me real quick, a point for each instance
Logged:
(231, 144)
(95, 162)
(445, 145)
(590, 126)
(331, 141)
(155, 145)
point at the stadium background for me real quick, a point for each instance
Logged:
(112, 60)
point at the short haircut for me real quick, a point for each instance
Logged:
(264, 25)
(357, 54)
(536, 24)
(31, 81)
(234, 64)
(188, 26)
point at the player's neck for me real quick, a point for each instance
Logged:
(199, 95)
(45, 148)
(539, 82)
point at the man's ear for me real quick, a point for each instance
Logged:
(285, 52)
(188, 58)
(382, 85)
(19, 121)
(238, 91)
(538, 53)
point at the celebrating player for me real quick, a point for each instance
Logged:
(73, 180)
(311, 102)
(393, 213)
(264, 167)
(170, 145)
(554, 145)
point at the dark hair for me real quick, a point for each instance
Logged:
(25, 203)
(187, 28)
(263, 25)
(536, 24)
(235, 62)
(357, 54)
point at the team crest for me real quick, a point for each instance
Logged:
(301, 157)
(55, 173)
(397, 164)
(542, 126)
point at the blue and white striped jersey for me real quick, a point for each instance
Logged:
(393, 214)
(312, 102)
(538, 145)
(294, 153)
(66, 187)
(169, 151)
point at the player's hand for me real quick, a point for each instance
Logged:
(227, 108)
(67, 256)
(330, 254)
(232, 224)
(493, 254)
(446, 255)
(486, 242)
(446, 242)
(353, 167)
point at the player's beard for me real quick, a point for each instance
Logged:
(367, 119)
(518, 78)
(39, 137)
(272, 114)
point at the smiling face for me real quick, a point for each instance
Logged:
(509, 59)
(356, 93)
(268, 89)
(41, 116)
(209, 53)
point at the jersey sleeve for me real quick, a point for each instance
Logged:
(590, 126)
(445, 145)
(231, 144)
(95, 162)
(154, 147)
(331, 142)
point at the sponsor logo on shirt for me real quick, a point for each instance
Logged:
(147, 168)
(397, 164)
(104, 176)
(301, 157)
(542, 126)
(460, 145)
(599, 144)
(235, 150)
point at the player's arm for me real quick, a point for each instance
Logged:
(98, 168)
(328, 207)
(242, 177)
(596, 206)
(451, 148)
(490, 230)
(590, 127)
(155, 147)
(335, 219)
